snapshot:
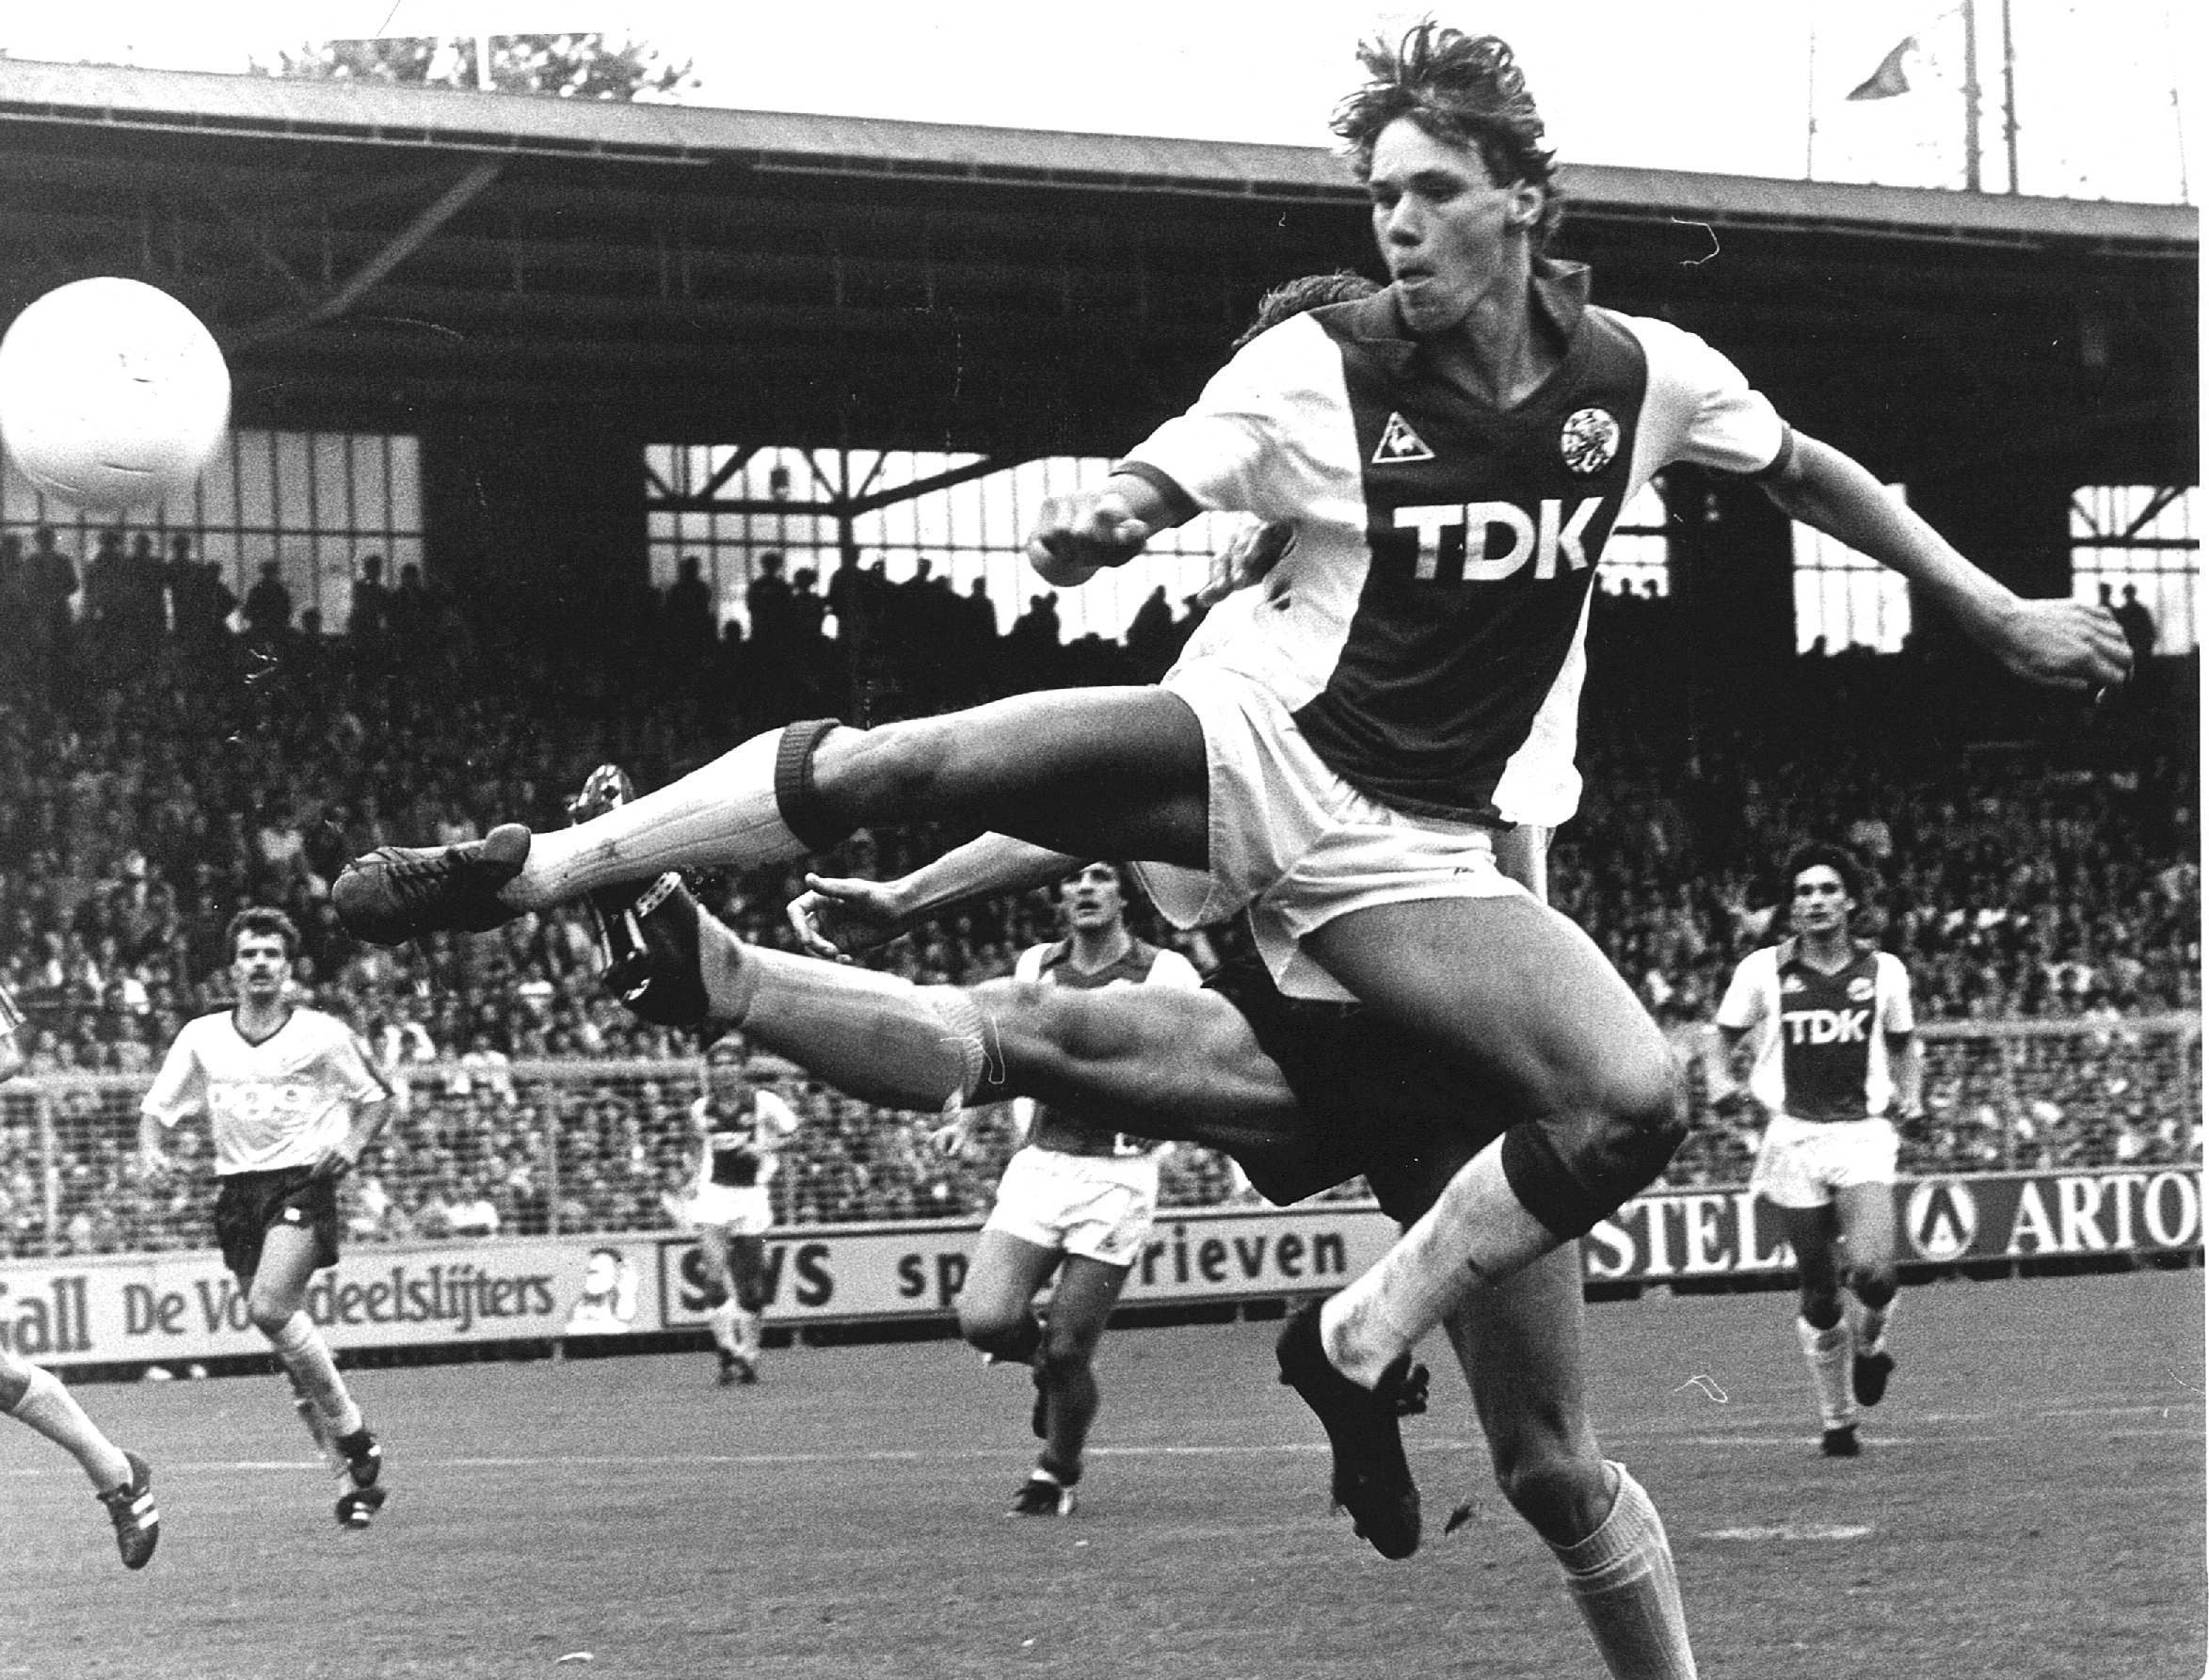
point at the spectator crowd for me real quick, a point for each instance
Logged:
(172, 752)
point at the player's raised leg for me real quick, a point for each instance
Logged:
(1546, 1030)
(1110, 771)
(1522, 1347)
(123, 1481)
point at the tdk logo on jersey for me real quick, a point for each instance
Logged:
(1399, 444)
(1826, 1026)
(1469, 528)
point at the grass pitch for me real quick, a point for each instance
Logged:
(2030, 1504)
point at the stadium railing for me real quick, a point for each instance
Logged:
(570, 1147)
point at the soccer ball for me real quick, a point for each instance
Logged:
(112, 394)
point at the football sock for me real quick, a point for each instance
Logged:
(722, 1322)
(1477, 1229)
(728, 813)
(748, 1335)
(49, 1408)
(1872, 1324)
(874, 1037)
(1622, 1578)
(1827, 1352)
(307, 1356)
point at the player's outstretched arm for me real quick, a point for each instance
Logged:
(839, 915)
(1076, 537)
(2063, 644)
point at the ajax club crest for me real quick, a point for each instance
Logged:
(1589, 439)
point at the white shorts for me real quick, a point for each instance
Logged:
(1096, 1206)
(734, 1210)
(1804, 1162)
(1297, 845)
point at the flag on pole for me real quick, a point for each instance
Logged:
(1890, 79)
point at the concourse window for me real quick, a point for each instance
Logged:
(728, 507)
(1847, 599)
(2134, 547)
(315, 503)
(1637, 558)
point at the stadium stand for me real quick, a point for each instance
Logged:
(2043, 892)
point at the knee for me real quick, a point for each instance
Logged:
(1556, 1489)
(1642, 1125)
(1821, 1305)
(1063, 1356)
(1586, 1157)
(270, 1317)
(901, 762)
(1875, 1285)
(994, 1329)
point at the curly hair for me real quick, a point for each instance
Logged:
(1307, 292)
(262, 920)
(1837, 859)
(1465, 90)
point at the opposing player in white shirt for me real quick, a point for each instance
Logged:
(292, 1101)
(739, 1131)
(1827, 1024)
(1074, 1200)
(35, 1398)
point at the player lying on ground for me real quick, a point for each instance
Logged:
(35, 1398)
(1338, 754)
(1303, 1095)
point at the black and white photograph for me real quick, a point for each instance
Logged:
(869, 841)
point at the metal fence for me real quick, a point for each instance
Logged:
(575, 1146)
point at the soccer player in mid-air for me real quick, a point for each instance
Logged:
(1076, 1200)
(35, 1398)
(1303, 1095)
(1403, 687)
(291, 1100)
(740, 1131)
(1826, 1022)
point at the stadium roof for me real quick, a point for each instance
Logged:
(371, 253)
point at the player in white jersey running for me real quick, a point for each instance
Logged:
(35, 1398)
(291, 1100)
(739, 1131)
(1451, 454)
(1073, 1199)
(1826, 1023)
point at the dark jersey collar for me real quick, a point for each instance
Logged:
(1558, 292)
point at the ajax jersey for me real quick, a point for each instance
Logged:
(1427, 628)
(739, 1148)
(278, 1103)
(1820, 1039)
(1141, 963)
